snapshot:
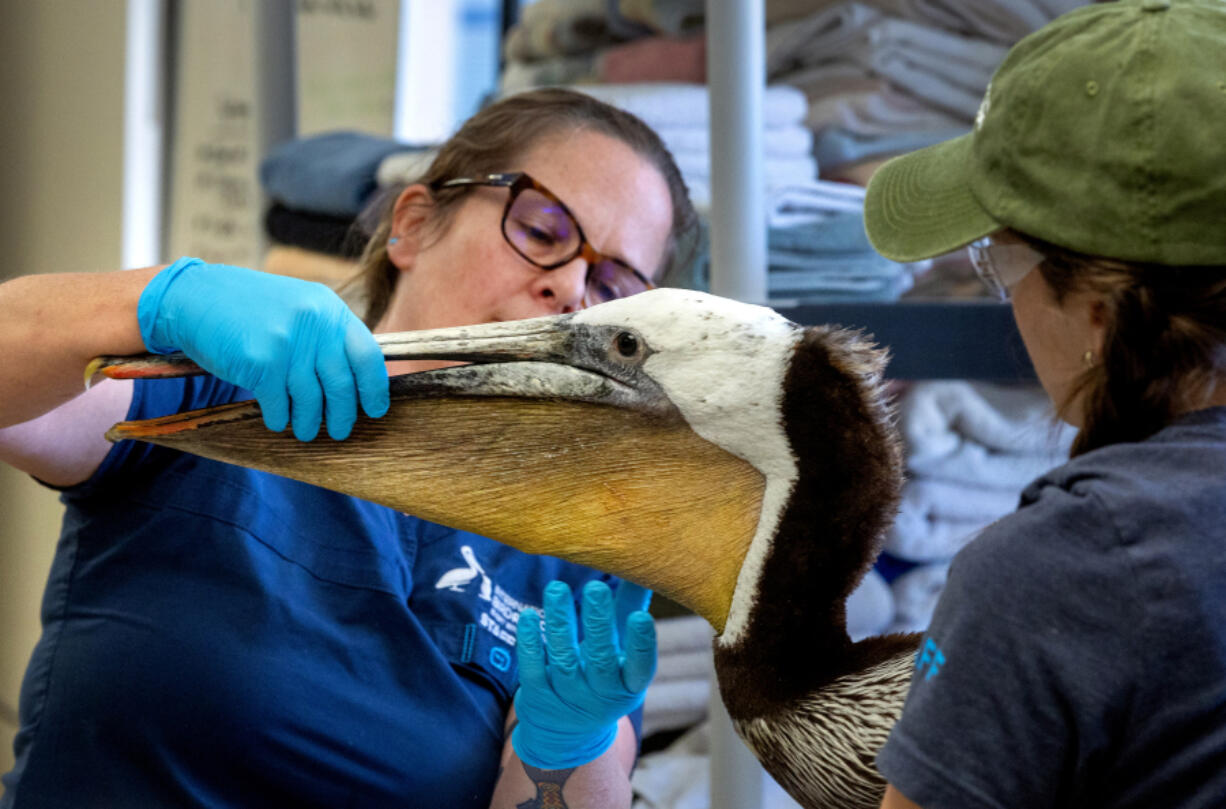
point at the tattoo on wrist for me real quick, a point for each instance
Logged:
(549, 785)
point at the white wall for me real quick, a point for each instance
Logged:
(61, 93)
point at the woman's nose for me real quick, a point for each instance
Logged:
(563, 289)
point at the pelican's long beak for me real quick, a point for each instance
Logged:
(555, 440)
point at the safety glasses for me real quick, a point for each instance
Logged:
(1001, 263)
(542, 229)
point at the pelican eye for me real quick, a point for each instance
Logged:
(627, 344)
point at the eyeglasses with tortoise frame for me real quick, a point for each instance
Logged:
(541, 229)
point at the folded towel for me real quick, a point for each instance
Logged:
(938, 500)
(686, 633)
(1002, 21)
(777, 171)
(836, 148)
(549, 28)
(945, 70)
(332, 173)
(665, 16)
(673, 59)
(812, 202)
(931, 540)
(819, 37)
(915, 596)
(849, 97)
(518, 75)
(321, 233)
(836, 233)
(698, 664)
(937, 417)
(788, 292)
(977, 466)
(870, 607)
(786, 141)
(675, 704)
(672, 104)
(935, 519)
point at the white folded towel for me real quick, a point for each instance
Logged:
(684, 633)
(672, 104)
(675, 704)
(800, 203)
(818, 37)
(939, 500)
(915, 596)
(979, 467)
(777, 171)
(685, 665)
(783, 141)
(937, 417)
(935, 519)
(870, 607)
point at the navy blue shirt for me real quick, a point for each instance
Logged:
(1078, 654)
(218, 636)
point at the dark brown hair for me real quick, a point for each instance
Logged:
(492, 141)
(1164, 347)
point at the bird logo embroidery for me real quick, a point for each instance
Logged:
(458, 578)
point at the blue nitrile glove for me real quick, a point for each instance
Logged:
(571, 695)
(281, 338)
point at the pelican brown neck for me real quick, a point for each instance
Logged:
(849, 474)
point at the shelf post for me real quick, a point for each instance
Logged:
(736, 78)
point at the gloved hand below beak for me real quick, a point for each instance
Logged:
(572, 694)
(292, 343)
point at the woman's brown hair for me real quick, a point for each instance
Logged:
(492, 141)
(1164, 346)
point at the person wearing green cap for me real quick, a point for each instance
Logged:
(1078, 654)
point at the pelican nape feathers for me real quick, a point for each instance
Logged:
(714, 451)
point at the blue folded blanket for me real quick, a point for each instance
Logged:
(332, 173)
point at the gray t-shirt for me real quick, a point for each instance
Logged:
(1078, 655)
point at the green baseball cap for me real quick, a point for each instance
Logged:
(1103, 132)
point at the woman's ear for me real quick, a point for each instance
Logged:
(1098, 323)
(410, 219)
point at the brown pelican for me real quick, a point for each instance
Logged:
(714, 451)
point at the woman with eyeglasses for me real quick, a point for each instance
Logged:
(1077, 656)
(218, 636)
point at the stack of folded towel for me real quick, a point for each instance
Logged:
(971, 448)
(681, 114)
(317, 187)
(889, 76)
(678, 695)
(568, 41)
(817, 249)
(319, 184)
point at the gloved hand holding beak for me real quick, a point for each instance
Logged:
(292, 343)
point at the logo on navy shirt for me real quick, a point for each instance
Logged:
(458, 578)
(500, 616)
(929, 659)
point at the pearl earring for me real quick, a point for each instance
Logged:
(1088, 358)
